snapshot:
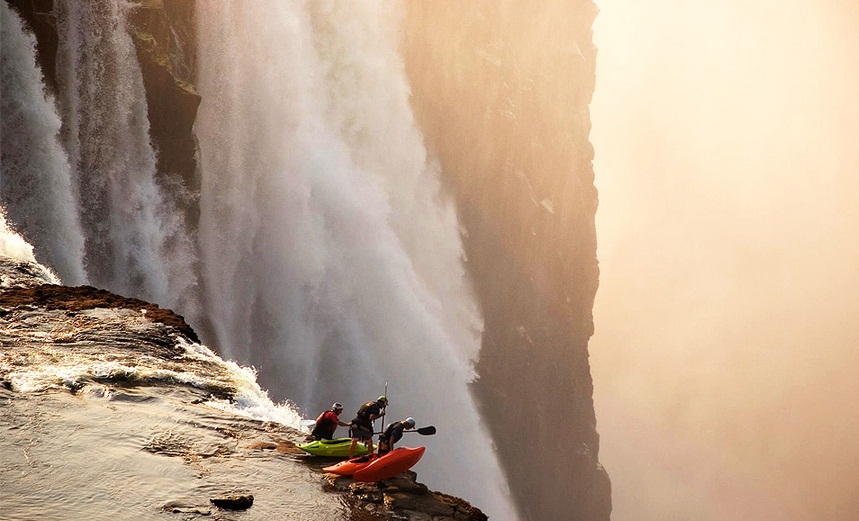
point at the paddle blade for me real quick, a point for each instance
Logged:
(427, 431)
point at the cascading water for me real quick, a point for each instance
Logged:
(136, 243)
(35, 180)
(15, 247)
(330, 260)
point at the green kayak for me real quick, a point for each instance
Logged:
(336, 448)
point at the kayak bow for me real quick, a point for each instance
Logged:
(336, 448)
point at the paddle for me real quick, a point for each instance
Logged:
(429, 430)
(385, 409)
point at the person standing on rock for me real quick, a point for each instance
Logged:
(362, 425)
(327, 423)
(393, 433)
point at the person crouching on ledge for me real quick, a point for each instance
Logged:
(327, 423)
(393, 433)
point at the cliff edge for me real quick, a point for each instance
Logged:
(122, 414)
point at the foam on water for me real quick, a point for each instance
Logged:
(17, 248)
(249, 399)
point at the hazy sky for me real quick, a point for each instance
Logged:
(726, 353)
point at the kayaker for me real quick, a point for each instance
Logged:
(327, 423)
(392, 434)
(362, 425)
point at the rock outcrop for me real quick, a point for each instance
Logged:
(405, 495)
(233, 501)
(51, 297)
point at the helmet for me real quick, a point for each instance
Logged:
(337, 405)
(410, 422)
(382, 400)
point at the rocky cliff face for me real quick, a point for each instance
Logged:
(166, 48)
(501, 91)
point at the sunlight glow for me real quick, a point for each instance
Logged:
(726, 353)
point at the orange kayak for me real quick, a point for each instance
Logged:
(395, 462)
(350, 466)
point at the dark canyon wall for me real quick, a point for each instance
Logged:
(501, 91)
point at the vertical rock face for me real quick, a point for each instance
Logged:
(165, 41)
(501, 90)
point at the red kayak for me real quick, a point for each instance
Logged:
(395, 462)
(350, 466)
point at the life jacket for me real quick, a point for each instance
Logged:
(393, 433)
(325, 425)
(367, 410)
(325, 419)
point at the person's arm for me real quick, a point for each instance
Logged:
(380, 414)
(398, 434)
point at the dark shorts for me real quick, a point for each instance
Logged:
(362, 432)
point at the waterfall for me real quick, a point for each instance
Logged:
(330, 259)
(135, 240)
(35, 179)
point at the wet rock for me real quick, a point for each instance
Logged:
(404, 483)
(79, 298)
(233, 501)
(164, 37)
(402, 497)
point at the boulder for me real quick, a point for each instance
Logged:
(233, 501)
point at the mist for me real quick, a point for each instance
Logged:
(726, 352)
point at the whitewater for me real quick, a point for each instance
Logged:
(326, 257)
